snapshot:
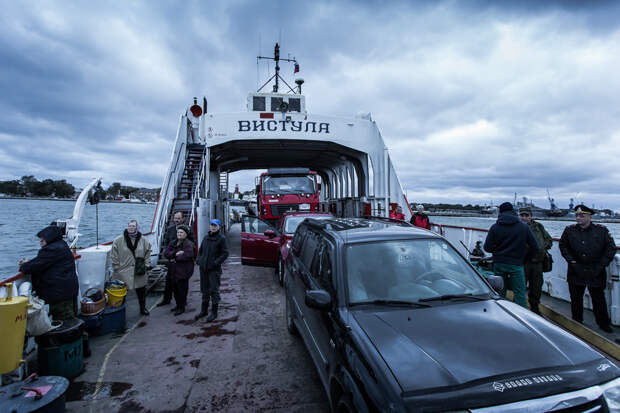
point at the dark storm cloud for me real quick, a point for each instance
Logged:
(476, 100)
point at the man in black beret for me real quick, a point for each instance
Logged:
(508, 240)
(588, 248)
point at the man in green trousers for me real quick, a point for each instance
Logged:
(508, 240)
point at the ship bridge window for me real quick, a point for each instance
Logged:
(275, 104)
(258, 103)
(294, 104)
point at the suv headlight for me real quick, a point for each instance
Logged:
(611, 391)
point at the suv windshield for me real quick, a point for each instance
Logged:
(408, 270)
(292, 222)
(273, 185)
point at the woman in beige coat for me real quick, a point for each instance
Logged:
(129, 249)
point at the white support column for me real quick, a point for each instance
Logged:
(386, 174)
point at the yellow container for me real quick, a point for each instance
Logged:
(116, 296)
(13, 317)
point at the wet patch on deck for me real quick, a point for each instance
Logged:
(214, 329)
(171, 361)
(83, 390)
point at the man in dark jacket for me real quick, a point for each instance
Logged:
(534, 259)
(508, 240)
(588, 248)
(53, 273)
(169, 237)
(213, 251)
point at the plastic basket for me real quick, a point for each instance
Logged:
(93, 307)
(116, 296)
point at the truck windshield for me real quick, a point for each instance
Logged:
(273, 185)
(408, 270)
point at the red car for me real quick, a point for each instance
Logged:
(268, 246)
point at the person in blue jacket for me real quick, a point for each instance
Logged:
(54, 278)
(508, 240)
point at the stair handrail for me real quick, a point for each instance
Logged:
(196, 192)
(169, 186)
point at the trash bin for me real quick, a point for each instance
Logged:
(17, 397)
(60, 350)
(113, 320)
(13, 316)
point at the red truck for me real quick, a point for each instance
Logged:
(281, 190)
(265, 245)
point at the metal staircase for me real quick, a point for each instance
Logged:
(188, 185)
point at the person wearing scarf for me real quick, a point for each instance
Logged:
(180, 256)
(129, 249)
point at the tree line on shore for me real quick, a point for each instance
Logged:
(29, 186)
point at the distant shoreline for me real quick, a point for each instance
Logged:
(106, 201)
(476, 215)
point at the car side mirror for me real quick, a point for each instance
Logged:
(496, 282)
(269, 233)
(318, 299)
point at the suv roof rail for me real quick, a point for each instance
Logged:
(386, 219)
(318, 223)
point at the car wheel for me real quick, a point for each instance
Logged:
(281, 271)
(345, 405)
(290, 323)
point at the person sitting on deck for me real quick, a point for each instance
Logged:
(54, 278)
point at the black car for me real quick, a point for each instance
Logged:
(396, 320)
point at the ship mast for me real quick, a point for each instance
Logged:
(276, 58)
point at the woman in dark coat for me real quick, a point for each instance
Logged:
(53, 273)
(180, 254)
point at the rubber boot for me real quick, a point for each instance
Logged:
(85, 345)
(204, 310)
(213, 313)
(179, 311)
(141, 293)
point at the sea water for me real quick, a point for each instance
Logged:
(554, 228)
(21, 219)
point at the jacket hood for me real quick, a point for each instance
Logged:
(50, 234)
(508, 218)
(474, 345)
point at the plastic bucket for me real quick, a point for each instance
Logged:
(116, 296)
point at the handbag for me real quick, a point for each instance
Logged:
(140, 267)
(547, 264)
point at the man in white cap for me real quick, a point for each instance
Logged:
(213, 251)
(420, 219)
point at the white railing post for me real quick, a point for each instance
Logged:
(614, 277)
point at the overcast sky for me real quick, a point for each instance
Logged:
(476, 100)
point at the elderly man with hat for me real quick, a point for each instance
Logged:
(508, 240)
(588, 248)
(213, 251)
(533, 267)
